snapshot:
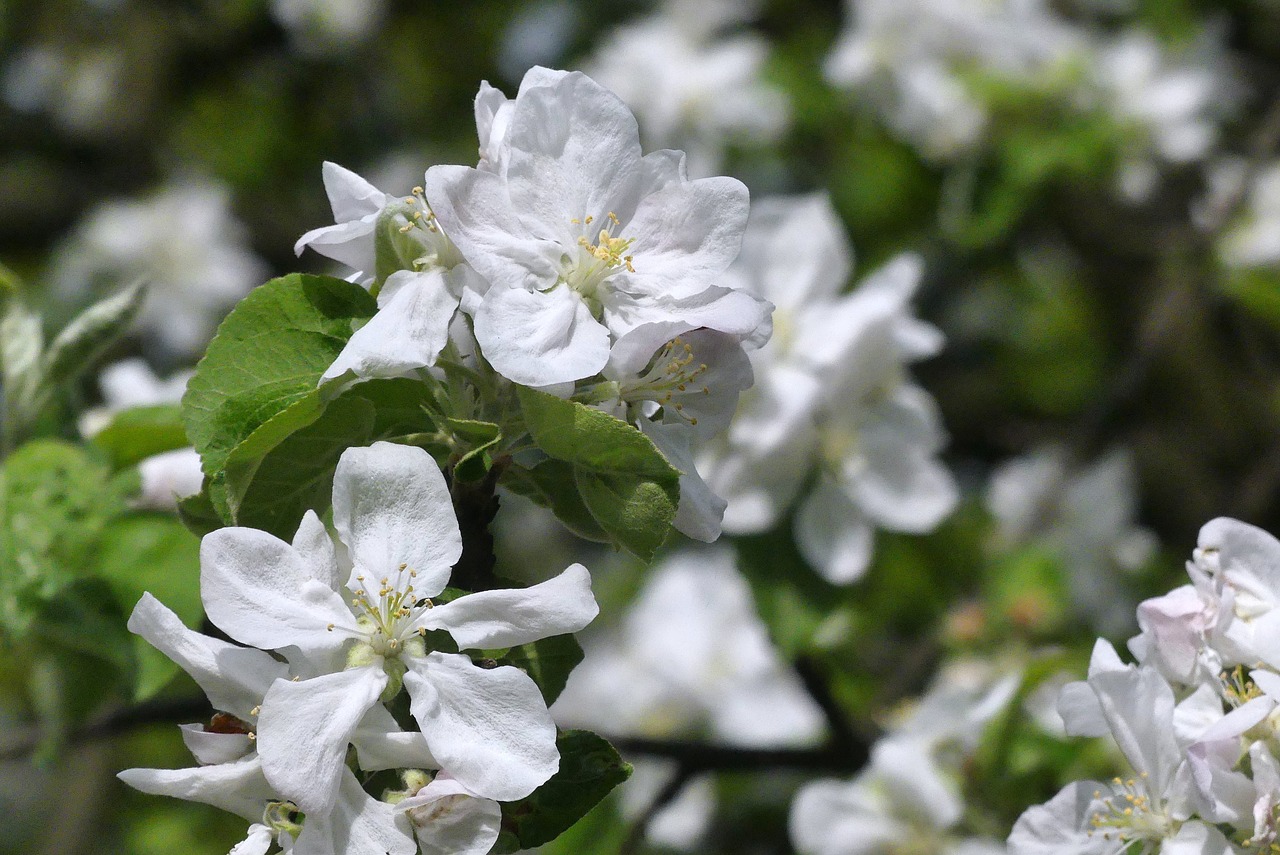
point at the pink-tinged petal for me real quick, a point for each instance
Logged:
(833, 535)
(488, 727)
(408, 332)
(448, 819)
(506, 618)
(238, 787)
(358, 825)
(257, 842)
(538, 338)
(381, 743)
(313, 543)
(209, 747)
(304, 729)
(391, 508)
(234, 678)
(258, 590)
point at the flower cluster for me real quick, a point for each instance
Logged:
(1195, 717)
(335, 630)
(833, 394)
(566, 260)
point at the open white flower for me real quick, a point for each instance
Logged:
(230, 774)
(581, 237)
(416, 303)
(488, 727)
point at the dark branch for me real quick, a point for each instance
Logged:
(695, 757)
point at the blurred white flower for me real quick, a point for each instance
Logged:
(184, 242)
(319, 26)
(690, 657)
(77, 91)
(690, 89)
(832, 393)
(1085, 517)
(1254, 241)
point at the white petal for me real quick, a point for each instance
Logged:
(350, 196)
(209, 748)
(833, 535)
(449, 819)
(506, 618)
(408, 331)
(391, 508)
(234, 678)
(350, 243)
(238, 787)
(537, 338)
(259, 590)
(313, 543)
(304, 729)
(381, 743)
(257, 842)
(700, 511)
(489, 728)
(358, 825)
(1062, 825)
(1197, 838)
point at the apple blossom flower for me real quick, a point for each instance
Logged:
(691, 89)
(488, 727)
(832, 394)
(581, 237)
(417, 300)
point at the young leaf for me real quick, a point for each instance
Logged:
(552, 484)
(635, 513)
(90, 333)
(268, 353)
(590, 439)
(135, 434)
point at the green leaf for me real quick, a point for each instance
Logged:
(21, 377)
(199, 513)
(635, 513)
(474, 465)
(269, 353)
(552, 484)
(589, 769)
(55, 501)
(548, 662)
(590, 439)
(283, 470)
(152, 553)
(135, 434)
(90, 333)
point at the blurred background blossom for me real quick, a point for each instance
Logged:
(1079, 201)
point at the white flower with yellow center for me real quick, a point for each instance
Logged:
(581, 237)
(488, 727)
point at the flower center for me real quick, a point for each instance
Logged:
(384, 621)
(1129, 815)
(597, 260)
(673, 372)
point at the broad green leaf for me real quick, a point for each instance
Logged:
(589, 769)
(55, 500)
(548, 661)
(201, 513)
(590, 439)
(151, 553)
(135, 434)
(21, 378)
(286, 466)
(269, 353)
(90, 333)
(552, 484)
(635, 513)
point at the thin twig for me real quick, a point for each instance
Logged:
(668, 793)
(697, 757)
